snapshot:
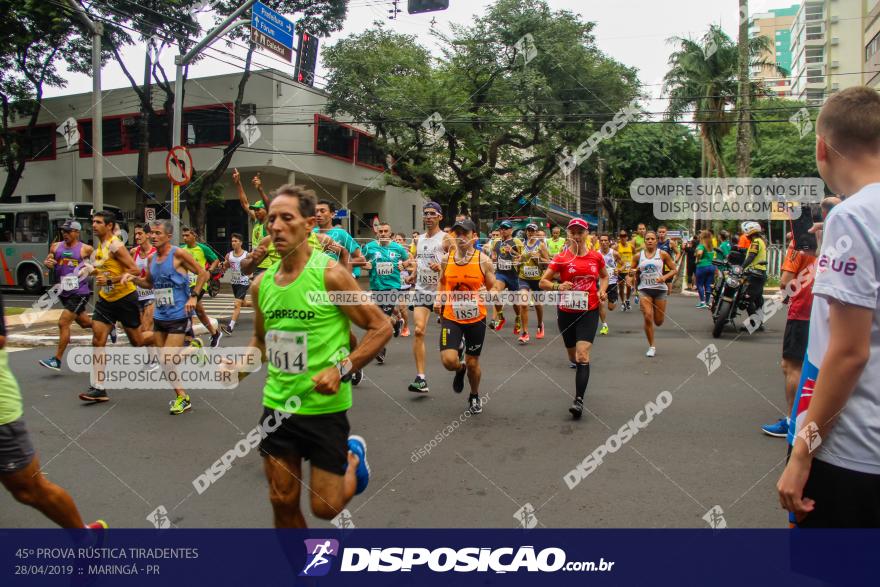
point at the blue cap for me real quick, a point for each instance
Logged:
(505, 224)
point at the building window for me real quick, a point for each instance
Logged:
(332, 138)
(112, 139)
(872, 47)
(367, 152)
(207, 126)
(40, 147)
(32, 227)
(7, 224)
(159, 134)
(39, 198)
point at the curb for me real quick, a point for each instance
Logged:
(34, 340)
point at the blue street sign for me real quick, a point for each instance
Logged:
(341, 213)
(273, 25)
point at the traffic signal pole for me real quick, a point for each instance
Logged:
(181, 61)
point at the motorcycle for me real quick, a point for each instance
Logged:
(732, 297)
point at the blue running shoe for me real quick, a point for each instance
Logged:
(779, 429)
(358, 446)
(51, 363)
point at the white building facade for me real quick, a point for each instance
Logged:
(297, 144)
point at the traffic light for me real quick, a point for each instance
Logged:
(306, 59)
(417, 6)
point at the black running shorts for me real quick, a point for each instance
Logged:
(125, 310)
(16, 450)
(75, 303)
(844, 498)
(794, 341)
(473, 334)
(321, 439)
(578, 326)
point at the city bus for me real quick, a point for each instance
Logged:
(27, 231)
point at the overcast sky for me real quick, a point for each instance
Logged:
(635, 32)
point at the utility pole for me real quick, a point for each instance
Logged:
(394, 10)
(97, 30)
(181, 61)
(600, 207)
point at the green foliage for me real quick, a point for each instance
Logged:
(507, 112)
(639, 151)
(702, 83)
(779, 149)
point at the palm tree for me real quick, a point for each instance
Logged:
(703, 80)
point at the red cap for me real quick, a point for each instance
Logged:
(579, 222)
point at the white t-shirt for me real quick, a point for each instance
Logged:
(848, 270)
(428, 250)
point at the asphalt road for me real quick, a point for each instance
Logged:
(123, 459)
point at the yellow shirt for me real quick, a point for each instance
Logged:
(626, 257)
(107, 264)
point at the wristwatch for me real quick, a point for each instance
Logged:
(346, 369)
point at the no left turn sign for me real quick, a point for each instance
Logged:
(179, 165)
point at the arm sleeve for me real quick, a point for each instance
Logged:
(847, 266)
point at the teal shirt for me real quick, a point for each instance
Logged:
(706, 259)
(346, 240)
(725, 249)
(385, 274)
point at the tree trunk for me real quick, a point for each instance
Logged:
(743, 129)
(143, 166)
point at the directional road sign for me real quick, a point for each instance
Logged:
(272, 31)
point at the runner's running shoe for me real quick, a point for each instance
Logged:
(97, 525)
(577, 409)
(113, 334)
(540, 333)
(356, 377)
(524, 338)
(419, 385)
(380, 358)
(779, 429)
(517, 325)
(94, 395)
(499, 324)
(179, 405)
(227, 330)
(358, 446)
(475, 404)
(397, 326)
(604, 329)
(51, 363)
(404, 331)
(215, 338)
(651, 351)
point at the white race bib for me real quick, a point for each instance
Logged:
(192, 279)
(69, 282)
(164, 296)
(531, 271)
(236, 278)
(144, 293)
(288, 351)
(428, 278)
(465, 309)
(576, 300)
(384, 268)
(505, 264)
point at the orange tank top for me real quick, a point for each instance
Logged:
(461, 283)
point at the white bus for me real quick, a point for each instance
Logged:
(27, 231)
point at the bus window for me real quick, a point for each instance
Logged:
(32, 227)
(7, 224)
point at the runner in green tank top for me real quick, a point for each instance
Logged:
(308, 389)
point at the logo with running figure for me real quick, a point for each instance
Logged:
(320, 554)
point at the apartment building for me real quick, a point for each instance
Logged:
(775, 25)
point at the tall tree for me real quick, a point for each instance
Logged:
(743, 129)
(702, 81)
(36, 37)
(154, 25)
(317, 17)
(511, 90)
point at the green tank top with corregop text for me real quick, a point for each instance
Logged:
(302, 339)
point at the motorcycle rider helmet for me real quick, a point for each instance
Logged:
(750, 227)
